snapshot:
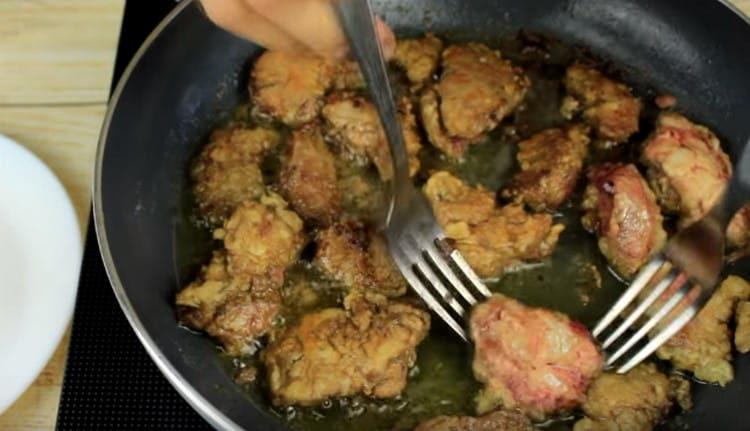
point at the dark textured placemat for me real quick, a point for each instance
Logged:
(110, 382)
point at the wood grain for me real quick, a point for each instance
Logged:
(57, 51)
(56, 59)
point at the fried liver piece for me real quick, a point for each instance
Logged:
(235, 311)
(419, 57)
(635, 401)
(704, 345)
(687, 168)
(531, 359)
(429, 111)
(738, 231)
(353, 124)
(262, 238)
(227, 173)
(290, 86)
(366, 348)
(742, 331)
(491, 239)
(477, 89)
(622, 211)
(501, 420)
(308, 177)
(606, 105)
(358, 259)
(551, 163)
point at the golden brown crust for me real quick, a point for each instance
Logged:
(636, 401)
(419, 58)
(429, 111)
(686, 166)
(477, 89)
(608, 106)
(308, 177)
(290, 86)
(531, 359)
(704, 345)
(491, 239)
(551, 163)
(230, 309)
(358, 259)
(366, 349)
(262, 238)
(738, 231)
(227, 172)
(742, 331)
(501, 420)
(623, 212)
(353, 123)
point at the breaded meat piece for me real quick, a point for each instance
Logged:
(738, 231)
(234, 311)
(531, 359)
(606, 105)
(477, 89)
(635, 401)
(348, 76)
(742, 331)
(686, 166)
(551, 163)
(308, 177)
(262, 238)
(366, 348)
(622, 211)
(509, 237)
(455, 201)
(353, 124)
(501, 420)
(363, 194)
(341, 254)
(227, 173)
(290, 86)
(491, 239)
(429, 110)
(419, 57)
(704, 345)
(358, 259)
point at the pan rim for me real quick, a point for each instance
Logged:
(215, 417)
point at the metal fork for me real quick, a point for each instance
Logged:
(433, 268)
(682, 278)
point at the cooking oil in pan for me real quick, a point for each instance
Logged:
(575, 279)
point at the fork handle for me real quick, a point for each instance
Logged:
(358, 22)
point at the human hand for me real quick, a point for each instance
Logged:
(290, 25)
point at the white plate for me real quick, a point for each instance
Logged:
(40, 258)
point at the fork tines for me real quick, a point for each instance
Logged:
(670, 288)
(440, 276)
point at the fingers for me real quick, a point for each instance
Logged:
(312, 23)
(290, 25)
(387, 38)
(237, 17)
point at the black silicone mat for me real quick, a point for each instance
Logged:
(110, 381)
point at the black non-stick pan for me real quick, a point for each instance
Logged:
(189, 73)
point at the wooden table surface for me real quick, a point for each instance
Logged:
(56, 59)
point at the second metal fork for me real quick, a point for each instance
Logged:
(682, 279)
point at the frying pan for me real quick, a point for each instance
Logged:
(189, 73)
